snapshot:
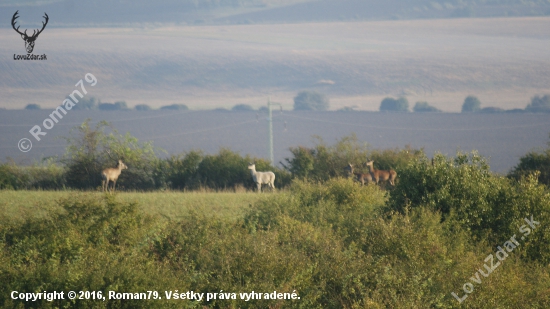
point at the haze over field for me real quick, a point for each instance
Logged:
(503, 61)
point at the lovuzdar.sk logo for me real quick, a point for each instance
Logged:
(29, 39)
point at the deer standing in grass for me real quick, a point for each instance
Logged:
(381, 174)
(262, 177)
(111, 174)
(362, 178)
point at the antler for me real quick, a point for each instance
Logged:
(43, 26)
(13, 21)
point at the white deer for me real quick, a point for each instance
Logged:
(111, 174)
(261, 178)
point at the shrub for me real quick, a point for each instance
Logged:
(323, 162)
(45, 176)
(32, 107)
(471, 104)
(539, 104)
(143, 107)
(227, 169)
(491, 109)
(117, 106)
(94, 244)
(10, 177)
(176, 107)
(86, 103)
(91, 150)
(311, 100)
(242, 108)
(424, 107)
(464, 190)
(394, 105)
(533, 162)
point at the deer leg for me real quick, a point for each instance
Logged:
(114, 185)
(259, 186)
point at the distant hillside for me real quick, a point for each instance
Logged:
(64, 13)
(503, 61)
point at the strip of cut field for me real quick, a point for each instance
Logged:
(170, 205)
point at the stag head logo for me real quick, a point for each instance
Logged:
(29, 40)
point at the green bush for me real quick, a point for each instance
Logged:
(464, 190)
(225, 170)
(45, 176)
(86, 103)
(242, 108)
(91, 244)
(32, 107)
(533, 162)
(394, 105)
(471, 104)
(175, 107)
(539, 104)
(143, 107)
(323, 162)
(91, 150)
(424, 107)
(117, 106)
(311, 100)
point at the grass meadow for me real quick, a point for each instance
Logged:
(169, 205)
(334, 244)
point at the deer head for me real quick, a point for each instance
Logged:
(29, 40)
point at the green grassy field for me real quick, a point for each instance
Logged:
(21, 204)
(335, 244)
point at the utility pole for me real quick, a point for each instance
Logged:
(270, 127)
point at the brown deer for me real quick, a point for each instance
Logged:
(362, 178)
(381, 174)
(111, 174)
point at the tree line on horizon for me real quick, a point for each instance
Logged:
(314, 101)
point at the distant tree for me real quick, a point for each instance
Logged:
(242, 108)
(347, 109)
(394, 105)
(311, 101)
(539, 104)
(143, 107)
(424, 107)
(263, 109)
(91, 149)
(32, 107)
(534, 162)
(515, 110)
(86, 103)
(117, 106)
(491, 109)
(176, 107)
(471, 104)
(121, 105)
(220, 109)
